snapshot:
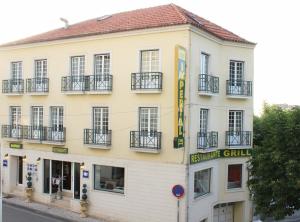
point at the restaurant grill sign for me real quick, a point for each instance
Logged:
(226, 153)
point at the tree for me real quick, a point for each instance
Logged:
(274, 168)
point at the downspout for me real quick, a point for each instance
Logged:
(189, 123)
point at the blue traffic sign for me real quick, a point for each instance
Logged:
(178, 191)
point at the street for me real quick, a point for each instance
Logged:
(15, 214)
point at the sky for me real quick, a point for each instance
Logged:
(272, 24)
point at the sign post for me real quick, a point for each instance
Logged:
(178, 192)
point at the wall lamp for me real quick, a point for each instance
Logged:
(82, 165)
(24, 157)
(6, 155)
(38, 159)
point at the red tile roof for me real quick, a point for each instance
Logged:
(159, 16)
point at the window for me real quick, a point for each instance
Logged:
(77, 65)
(109, 178)
(100, 119)
(148, 119)
(15, 116)
(150, 61)
(20, 170)
(203, 120)
(234, 176)
(204, 63)
(236, 72)
(235, 120)
(57, 117)
(16, 70)
(102, 64)
(202, 182)
(40, 69)
(37, 116)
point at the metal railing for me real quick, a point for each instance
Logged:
(99, 83)
(238, 88)
(238, 138)
(206, 140)
(37, 85)
(12, 131)
(144, 139)
(33, 133)
(54, 134)
(208, 83)
(73, 83)
(13, 86)
(97, 137)
(146, 81)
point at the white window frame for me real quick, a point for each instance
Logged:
(150, 61)
(16, 70)
(149, 114)
(105, 68)
(77, 65)
(103, 112)
(204, 63)
(37, 113)
(204, 114)
(238, 125)
(57, 120)
(40, 68)
(236, 75)
(15, 115)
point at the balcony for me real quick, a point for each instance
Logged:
(37, 86)
(143, 141)
(146, 82)
(13, 86)
(208, 85)
(207, 140)
(97, 138)
(238, 138)
(54, 135)
(238, 89)
(33, 133)
(99, 84)
(94, 84)
(73, 84)
(12, 132)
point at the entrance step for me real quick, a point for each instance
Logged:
(65, 202)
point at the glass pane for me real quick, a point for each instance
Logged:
(234, 176)
(202, 182)
(150, 61)
(77, 180)
(46, 176)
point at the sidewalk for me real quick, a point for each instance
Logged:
(47, 210)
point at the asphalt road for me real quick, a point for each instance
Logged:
(15, 214)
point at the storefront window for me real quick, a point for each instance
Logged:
(202, 182)
(109, 178)
(46, 176)
(234, 176)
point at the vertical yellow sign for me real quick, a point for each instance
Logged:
(180, 75)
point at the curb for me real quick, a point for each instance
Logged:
(39, 212)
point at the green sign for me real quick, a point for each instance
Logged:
(180, 74)
(60, 150)
(16, 145)
(226, 153)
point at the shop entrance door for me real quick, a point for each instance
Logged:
(62, 172)
(223, 213)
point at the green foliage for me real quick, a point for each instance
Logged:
(275, 166)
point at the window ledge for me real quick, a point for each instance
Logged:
(145, 150)
(73, 92)
(109, 192)
(12, 139)
(233, 190)
(207, 150)
(196, 199)
(37, 93)
(32, 141)
(147, 91)
(238, 147)
(238, 97)
(200, 93)
(54, 143)
(14, 94)
(98, 146)
(102, 92)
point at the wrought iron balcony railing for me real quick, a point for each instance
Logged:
(99, 83)
(208, 84)
(238, 138)
(86, 83)
(12, 131)
(145, 139)
(73, 83)
(97, 137)
(238, 88)
(54, 134)
(146, 81)
(33, 133)
(36, 85)
(13, 86)
(207, 140)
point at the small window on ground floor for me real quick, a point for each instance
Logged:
(234, 176)
(202, 182)
(109, 178)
